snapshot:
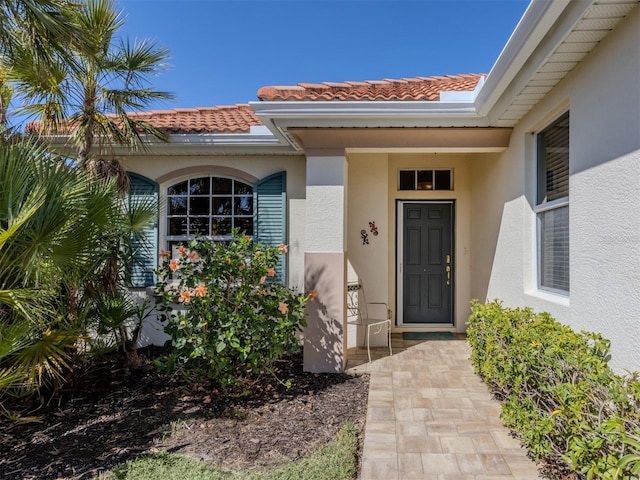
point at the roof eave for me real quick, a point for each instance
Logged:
(340, 114)
(549, 42)
(534, 25)
(197, 143)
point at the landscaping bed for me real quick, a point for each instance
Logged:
(577, 418)
(108, 418)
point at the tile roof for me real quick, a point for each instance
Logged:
(420, 88)
(239, 118)
(224, 119)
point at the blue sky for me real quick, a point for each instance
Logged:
(223, 51)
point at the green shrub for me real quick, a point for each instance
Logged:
(226, 317)
(558, 392)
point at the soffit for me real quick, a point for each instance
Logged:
(555, 61)
(338, 140)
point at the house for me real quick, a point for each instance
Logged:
(521, 185)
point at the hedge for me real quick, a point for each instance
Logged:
(571, 411)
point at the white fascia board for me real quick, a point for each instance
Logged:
(222, 139)
(203, 143)
(327, 114)
(259, 138)
(536, 23)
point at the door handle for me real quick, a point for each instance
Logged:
(448, 274)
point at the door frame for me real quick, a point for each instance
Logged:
(399, 255)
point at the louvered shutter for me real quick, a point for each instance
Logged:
(144, 247)
(270, 214)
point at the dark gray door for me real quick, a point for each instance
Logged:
(427, 274)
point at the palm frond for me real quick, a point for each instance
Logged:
(135, 61)
(46, 358)
(13, 337)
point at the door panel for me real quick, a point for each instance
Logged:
(427, 252)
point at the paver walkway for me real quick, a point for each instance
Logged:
(430, 417)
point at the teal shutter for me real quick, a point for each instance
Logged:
(144, 247)
(270, 216)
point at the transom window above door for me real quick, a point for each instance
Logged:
(436, 179)
(208, 207)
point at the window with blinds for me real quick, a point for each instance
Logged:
(552, 206)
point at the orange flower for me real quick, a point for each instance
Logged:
(173, 265)
(185, 297)
(200, 290)
(262, 291)
(263, 279)
(283, 248)
(165, 253)
(271, 272)
(182, 250)
(313, 294)
(283, 308)
(241, 267)
(193, 255)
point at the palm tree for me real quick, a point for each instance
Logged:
(43, 25)
(59, 228)
(52, 220)
(88, 96)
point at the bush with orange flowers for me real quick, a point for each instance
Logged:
(227, 317)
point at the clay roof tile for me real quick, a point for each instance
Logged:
(405, 89)
(223, 119)
(240, 118)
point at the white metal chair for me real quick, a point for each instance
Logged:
(358, 314)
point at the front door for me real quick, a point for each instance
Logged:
(426, 263)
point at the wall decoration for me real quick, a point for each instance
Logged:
(365, 237)
(374, 229)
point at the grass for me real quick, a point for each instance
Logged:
(337, 460)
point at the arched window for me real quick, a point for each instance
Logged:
(208, 206)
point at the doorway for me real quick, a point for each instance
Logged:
(425, 259)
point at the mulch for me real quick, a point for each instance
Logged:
(107, 417)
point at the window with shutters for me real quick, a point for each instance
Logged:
(212, 206)
(208, 206)
(552, 205)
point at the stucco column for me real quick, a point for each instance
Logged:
(325, 263)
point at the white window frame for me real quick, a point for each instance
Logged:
(542, 205)
(169, 239)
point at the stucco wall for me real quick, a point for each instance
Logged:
(603, 96)
(605, 193)
(368, 263)
(373, 192)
